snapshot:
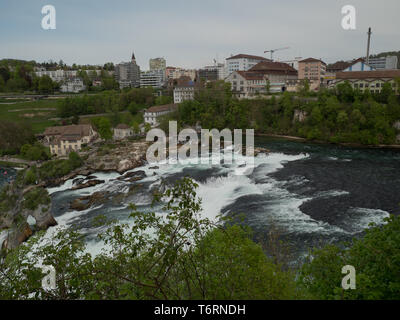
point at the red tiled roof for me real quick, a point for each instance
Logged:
(250, 75)
(312, 60)
(247, 56)
(269, 67)
(122, 126)
(166, 107)
(368, 74)
(338, 66)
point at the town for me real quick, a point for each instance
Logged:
(250, 77)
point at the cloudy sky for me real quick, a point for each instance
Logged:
(191, 33)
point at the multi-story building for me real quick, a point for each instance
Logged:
(213, 73)
(64, 139)
(128, 74)
(388, 62)
(184, 89)
(157, 64)
(153, 78)
(242, 62)
(276, 75)
(246, 84)
(169, 71)
(178, 72)
(371, 80)
(312, 69)
(57, 75)
(152, 114)
(74, 85)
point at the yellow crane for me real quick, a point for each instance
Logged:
(273, 50)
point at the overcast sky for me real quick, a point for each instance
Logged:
(191, 33)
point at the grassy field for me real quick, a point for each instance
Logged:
(37, 113)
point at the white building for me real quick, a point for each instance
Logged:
(57, 75)
(184, 90)
(242, 62)
(122, 131)
(246, 84)
(294, 63)
(152, 78)
(74, 85)
(384, 63)
(152, 114)
(359, 65)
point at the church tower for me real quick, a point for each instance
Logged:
(133, 58)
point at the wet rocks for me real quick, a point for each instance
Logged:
(86, 202)
(90, 183)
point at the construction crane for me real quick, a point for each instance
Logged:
(273, 50)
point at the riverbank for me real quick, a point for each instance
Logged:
(344, 144)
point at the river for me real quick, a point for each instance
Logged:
(312, 193)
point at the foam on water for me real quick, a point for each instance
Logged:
(244, 177)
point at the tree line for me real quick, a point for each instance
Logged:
(339, 115)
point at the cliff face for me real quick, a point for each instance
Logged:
(17, 203)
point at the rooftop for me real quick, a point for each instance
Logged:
(274, 68)
(122, 126)
(251, 75)
(312, 60)
(247, 56)
(165, 107)
(368, 74)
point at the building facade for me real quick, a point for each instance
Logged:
(152, 114)
(242, 62)
(178, 73)
(384, 63)
(212, 73)
(128, 74)
(122, 131)
(64, 139)
(157, 64)
(74, 85)
(153, 78)
(266, 75)
(57, 75)
(184, 89)
(312, 69)
(371, 80)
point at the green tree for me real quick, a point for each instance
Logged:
(45, 85)
(375, 258)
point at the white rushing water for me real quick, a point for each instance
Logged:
(229, 185)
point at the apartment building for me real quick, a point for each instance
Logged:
(74, 85)
(153, 78)
(312, 69)
(212, 73)
(57, 75)
(128, 74)
(64, 139)
(184, 89)
(157, 64)
(242, 62)
(384, 63)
